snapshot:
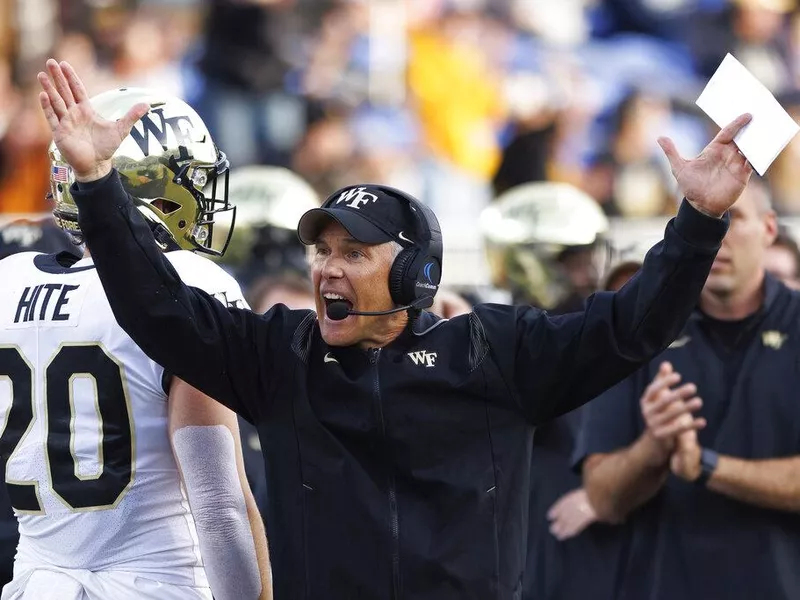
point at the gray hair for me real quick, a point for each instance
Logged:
(396, 249)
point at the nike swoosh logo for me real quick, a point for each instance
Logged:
(402, 236)
(330, 358)
(680, 342)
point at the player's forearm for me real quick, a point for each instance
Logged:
(771, 484)
(622, 481)
(207, 458)
(229, 550)
(260, 539)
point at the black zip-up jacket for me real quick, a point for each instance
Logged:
(400, 472)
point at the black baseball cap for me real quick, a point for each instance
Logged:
(371, 214)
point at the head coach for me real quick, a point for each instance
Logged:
(397, 445)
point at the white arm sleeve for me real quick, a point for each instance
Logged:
(208, 461)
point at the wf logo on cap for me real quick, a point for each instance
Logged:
(356, 197)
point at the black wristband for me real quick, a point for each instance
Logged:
(708, 464)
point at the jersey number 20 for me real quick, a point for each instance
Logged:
(78, 492)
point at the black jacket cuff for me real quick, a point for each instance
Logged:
(90, 185)
(698, 229)
(100, 199)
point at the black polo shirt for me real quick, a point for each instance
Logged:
(586, 566)
(689, 542)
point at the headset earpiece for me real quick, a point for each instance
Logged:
(397, 275)
(422, 277)
(417, 269)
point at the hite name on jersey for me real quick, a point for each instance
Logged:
(39, 297)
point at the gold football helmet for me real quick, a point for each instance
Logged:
(530, 228)
(165, 163)
(269, 202)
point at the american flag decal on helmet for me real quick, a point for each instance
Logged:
(60, 174)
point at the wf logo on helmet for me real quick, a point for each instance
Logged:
(181, 127)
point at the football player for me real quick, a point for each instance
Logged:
(126, 482)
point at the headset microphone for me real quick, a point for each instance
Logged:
(338, 311)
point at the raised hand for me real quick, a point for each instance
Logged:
(715, 179)
(85, 139)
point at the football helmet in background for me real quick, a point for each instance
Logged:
(269, 201)
(532, 232)
(35, 234)
(165, 163)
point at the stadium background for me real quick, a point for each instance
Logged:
(454, 101)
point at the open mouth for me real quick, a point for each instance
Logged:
(329, 298)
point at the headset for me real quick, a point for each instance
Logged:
(416, 271)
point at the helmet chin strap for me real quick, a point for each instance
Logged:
(163, 237)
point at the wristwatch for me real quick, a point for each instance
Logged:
(708, 464)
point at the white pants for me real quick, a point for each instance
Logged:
(52, 583)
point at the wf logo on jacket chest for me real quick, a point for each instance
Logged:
(424, 358)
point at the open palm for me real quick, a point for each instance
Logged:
(85, 139)
(715, 179)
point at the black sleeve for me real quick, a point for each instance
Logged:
(217, 349)
(556, 363)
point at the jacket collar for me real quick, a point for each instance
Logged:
(418, 326)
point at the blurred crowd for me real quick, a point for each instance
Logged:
(452, 100)
(455, 101)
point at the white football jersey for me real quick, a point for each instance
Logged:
(90, 472)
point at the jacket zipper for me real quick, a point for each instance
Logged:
(395, 526)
